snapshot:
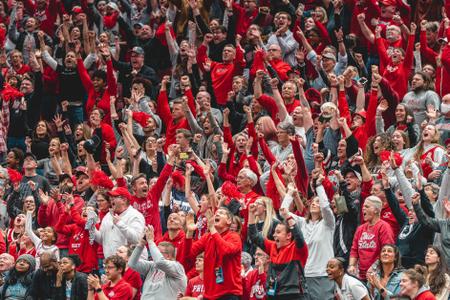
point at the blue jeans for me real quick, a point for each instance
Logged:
(17, 142)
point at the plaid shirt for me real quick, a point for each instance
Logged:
(4, 125)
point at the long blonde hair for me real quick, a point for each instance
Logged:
(421, 147)
(270, 215)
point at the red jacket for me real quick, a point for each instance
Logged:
(107, 137)
(367, 243)
(164, 113)
(221, 250)
(222, 73)
(398, 74)
(149, 206)
(102, 99)
(78, 239)
(254, 286)
(443, 72)
(48, 215)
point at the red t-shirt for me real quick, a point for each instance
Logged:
(195, 287)
(121, 291)
(134, 280)
(254, 286)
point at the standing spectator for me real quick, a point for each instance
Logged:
(164, 276)
(369, 238)
(223, 275)
(288, 255)
(123, 225)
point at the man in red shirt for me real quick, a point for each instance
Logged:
(146, 199)
(222, 74)
(222, 249)
(116, 288)
(175, 235)
(174, 119)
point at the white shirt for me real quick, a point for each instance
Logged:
(352, 289)
(129, 230)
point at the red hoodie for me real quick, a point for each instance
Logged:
(367, 243)
(164, 113)
(78, 239)
(149, 206)
(48, 215)
(221, 250)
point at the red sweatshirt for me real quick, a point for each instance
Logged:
(397, 74)
(222, 73)
(163, 111)
(367, 243)
(224, 251)
(364, 132)
(101, 99)
(149, 206)
(78, 239)
(121, 291)
(134, 280)
(254, 286)
(48, 215)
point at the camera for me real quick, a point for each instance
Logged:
(91, 145)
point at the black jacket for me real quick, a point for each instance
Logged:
(413, 239)
(126, 78)
(43, 286)
(79, 288)
(346, 225)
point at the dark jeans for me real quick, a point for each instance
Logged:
(75, 115)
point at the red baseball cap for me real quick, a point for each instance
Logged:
(120, 192)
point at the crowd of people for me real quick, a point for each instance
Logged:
(224, 149)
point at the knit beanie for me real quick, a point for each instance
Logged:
(29, 259)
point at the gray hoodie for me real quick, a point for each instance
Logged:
(164, 279)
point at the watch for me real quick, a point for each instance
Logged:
(99, 290)
(382, 290)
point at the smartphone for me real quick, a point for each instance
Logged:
(184, 155)
(362, 80)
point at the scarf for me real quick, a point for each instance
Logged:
(90, 225)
